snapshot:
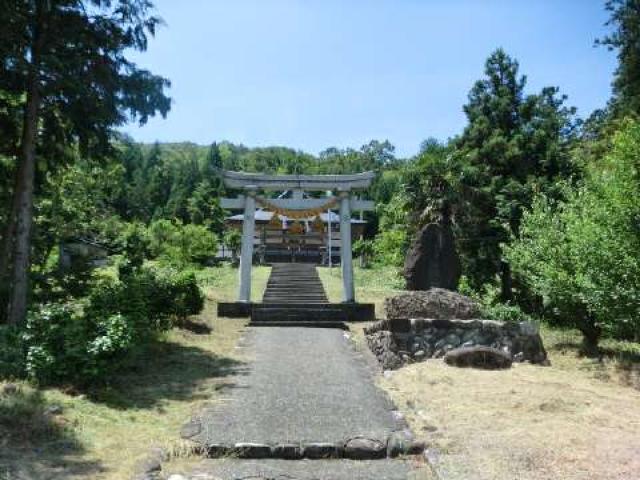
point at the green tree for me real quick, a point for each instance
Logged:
(232, 239)
(581, 255)
(625, 39)
(204, 207)
(67, 59)
(513, 146)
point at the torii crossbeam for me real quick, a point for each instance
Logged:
(252, 183)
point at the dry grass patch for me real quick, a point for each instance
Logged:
(578, 419)
(527, 423)
(102, 434)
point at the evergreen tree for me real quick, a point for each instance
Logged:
(514, 146)
(211, 171)
(67, 60)
(625, 38)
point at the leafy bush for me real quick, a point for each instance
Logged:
(390, 247)
(86, 341)
(232, 239)
(62, 344)
(503, 312)
(12, 359)
(150, 298)
(391, 244)
(181, 245)
(581, 255)
(179, 294)
(363, 249)
(134, 244)
(140, 296)
(491, 306)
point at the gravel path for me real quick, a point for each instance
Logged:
(303, 385)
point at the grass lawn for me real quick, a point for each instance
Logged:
(56, 433)
(577, 419)
(372, 285)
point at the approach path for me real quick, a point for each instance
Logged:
(303, 385)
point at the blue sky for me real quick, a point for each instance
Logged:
(310, 74)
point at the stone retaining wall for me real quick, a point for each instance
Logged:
(396, 342)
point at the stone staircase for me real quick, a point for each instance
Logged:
(295, 296)
(294, 283)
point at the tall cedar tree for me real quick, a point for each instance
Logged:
(513, 146)
(66, 58)
(625, 38)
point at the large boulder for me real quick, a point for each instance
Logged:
(432, 260)
(436, 303)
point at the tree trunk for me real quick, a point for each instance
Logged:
(7, 241)
(590, 337)
(23, 197)
(506, 282)
(5, 261)
(25, 177)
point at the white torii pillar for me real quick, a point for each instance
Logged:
(246, 254)
(345, 247)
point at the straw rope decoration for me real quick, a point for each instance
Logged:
(317, 225)
(296, 214)
(275, 221)
(297, 228)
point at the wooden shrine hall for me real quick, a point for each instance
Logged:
(285, 235)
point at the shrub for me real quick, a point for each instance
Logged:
(187, 297)
(133, 242)
(390, 247)
(503, 312)
(12, 358)
(86, 342)
(392, 242)
(178, 294)
(62, 344)
(363, 249)
(181, 245)
(232, 239)
(491, 306)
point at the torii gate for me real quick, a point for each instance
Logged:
(251, 183)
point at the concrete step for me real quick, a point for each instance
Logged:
(299, 323)
(289, 298)
(301, 300)
(285, 293)
(293, 301)
(335, 307)
(285, 296)
(266, 313)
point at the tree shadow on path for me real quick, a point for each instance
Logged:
(169, 371)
